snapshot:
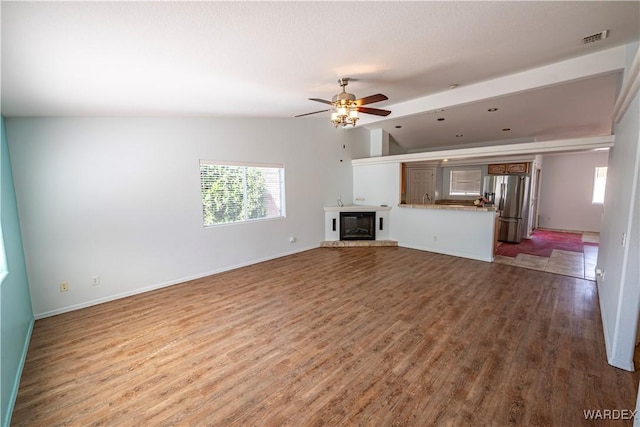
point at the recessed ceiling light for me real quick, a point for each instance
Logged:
(441, 119)
(398, 127)
(459, 135)
(445, 160)
(491, 110)
(506, 129)
(453, 86)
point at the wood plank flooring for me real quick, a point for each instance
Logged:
(332, 337)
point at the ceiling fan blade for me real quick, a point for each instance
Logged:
(321, 100)
(375, 111)
(371, 99)
(315, 112)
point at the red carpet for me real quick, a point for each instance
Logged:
(542, 242)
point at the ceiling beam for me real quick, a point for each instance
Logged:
(599, 63)
(526, 148)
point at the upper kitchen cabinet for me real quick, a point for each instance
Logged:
(507, 168)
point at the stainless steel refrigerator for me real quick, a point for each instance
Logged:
(511, 197)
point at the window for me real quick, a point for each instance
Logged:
(599, 184)
(237, 192)
(464, 182)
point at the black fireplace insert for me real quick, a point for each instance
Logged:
(357, 226)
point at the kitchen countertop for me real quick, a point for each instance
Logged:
(450, 207)
(357, 208)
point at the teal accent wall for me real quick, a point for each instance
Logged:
(16, 314)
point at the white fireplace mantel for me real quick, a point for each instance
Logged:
(332, 220)
(357, 208)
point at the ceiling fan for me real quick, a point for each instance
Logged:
(346, 107)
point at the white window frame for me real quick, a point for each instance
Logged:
(465, 192)
(599, 185)
(244, 166)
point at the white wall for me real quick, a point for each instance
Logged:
(566, 190)
(467, 234)
(619, 288)
(377, 184)
(120, 199)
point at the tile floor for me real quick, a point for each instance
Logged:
(574, 264)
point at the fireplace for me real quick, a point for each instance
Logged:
(357, 226)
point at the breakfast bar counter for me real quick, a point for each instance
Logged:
(463, 230)
(450, 207)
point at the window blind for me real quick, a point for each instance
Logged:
(465, 182)
(240, 192)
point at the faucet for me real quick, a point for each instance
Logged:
(427, 196)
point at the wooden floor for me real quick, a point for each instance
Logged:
(330, 337)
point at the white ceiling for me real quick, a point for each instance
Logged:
(264, 59)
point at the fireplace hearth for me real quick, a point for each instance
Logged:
(357, 226)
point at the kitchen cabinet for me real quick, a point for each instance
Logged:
(517, 167)
(497, 169)
(507, 168)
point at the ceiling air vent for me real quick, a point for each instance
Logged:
(595, 37)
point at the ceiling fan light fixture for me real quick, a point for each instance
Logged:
(343, 116)
(345, 106)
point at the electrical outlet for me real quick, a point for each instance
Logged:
(95, 280)
(64, 286)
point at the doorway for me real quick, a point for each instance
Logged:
(421, 185)
(535, 204)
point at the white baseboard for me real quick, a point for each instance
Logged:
(622, 364)
(607, 341)
(16, 383)
(613, 361)
(163, 285)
